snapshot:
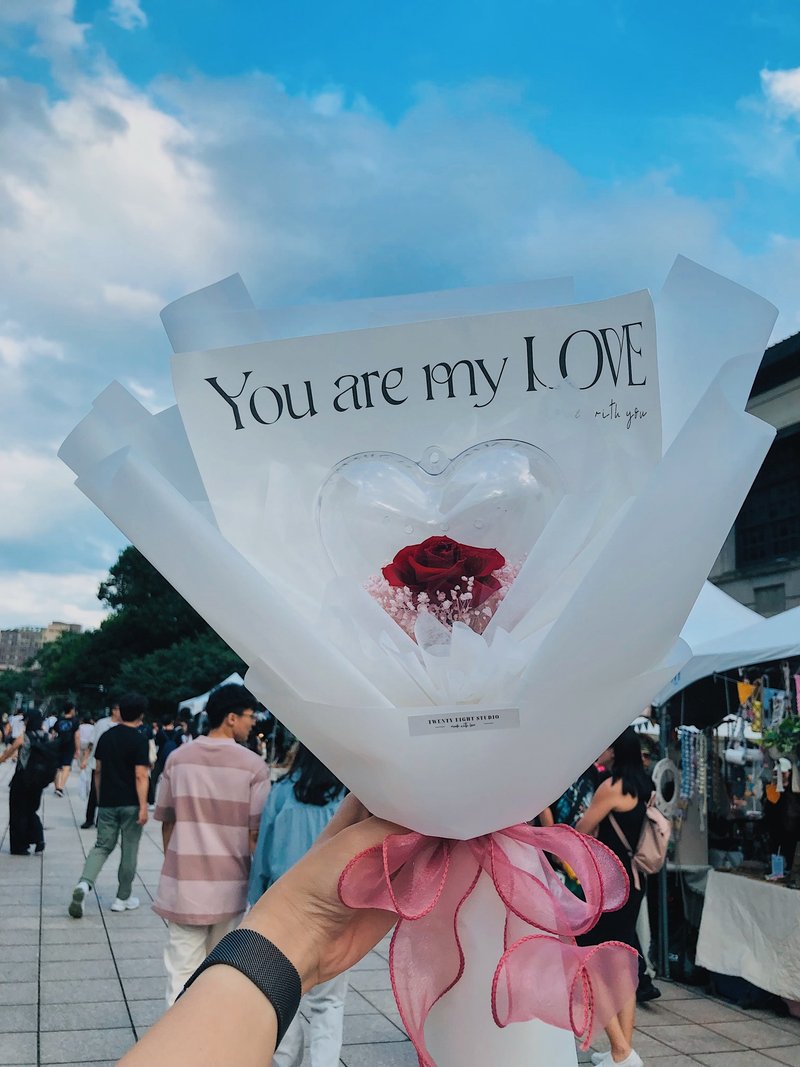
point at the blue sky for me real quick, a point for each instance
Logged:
(351, 149)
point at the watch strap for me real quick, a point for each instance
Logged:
(266, 967)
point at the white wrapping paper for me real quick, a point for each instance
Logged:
(251, 499)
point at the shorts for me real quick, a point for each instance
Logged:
(65, 761)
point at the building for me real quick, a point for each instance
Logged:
(56, 629)
(19, 645)
(759, 563)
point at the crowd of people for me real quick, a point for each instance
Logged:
(229, 833)
(227, 836)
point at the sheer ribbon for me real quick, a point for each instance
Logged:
(542, 973)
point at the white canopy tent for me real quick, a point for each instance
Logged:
(194, 705)
(714, 615)
(723, 635)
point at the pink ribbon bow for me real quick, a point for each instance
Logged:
(425, 882)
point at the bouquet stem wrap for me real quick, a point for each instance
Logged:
(541, 973)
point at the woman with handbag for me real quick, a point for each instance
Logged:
(24, 825)
(615, 817)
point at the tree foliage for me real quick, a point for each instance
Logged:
(67, 665)
(170, 675)
(146, 611)
(13, 682)
(152, 642)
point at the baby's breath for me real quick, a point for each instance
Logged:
(453, 606)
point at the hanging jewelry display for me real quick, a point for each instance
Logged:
(688, 739)
(702, 777)
(717, 789)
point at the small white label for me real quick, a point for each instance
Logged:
(462, 721)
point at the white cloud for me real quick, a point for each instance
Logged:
(18, 350)
(29, 366)
(145, 393)
(52, 21)
(128, 14)
(329, 201)
(37, 493)
(131, 300)
(102, 202)
(330, 103)
(118, 200)
(782, 90)
(775, 271)
(101, 211)
(34, 598)
(754, 152)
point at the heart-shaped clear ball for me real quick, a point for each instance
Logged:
(498, 494)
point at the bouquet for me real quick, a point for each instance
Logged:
(456, 551)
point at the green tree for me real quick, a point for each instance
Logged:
(146, 611)
(13, 682)
(66, 663)
(152, 641)
(187, 668)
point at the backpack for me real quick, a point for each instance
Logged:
(651, 848)
(43, 762)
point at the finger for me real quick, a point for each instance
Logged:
(361, 836)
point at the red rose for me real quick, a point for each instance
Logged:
(439, 564)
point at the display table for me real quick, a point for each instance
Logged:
(751, 929)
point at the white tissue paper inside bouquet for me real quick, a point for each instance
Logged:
(577, 485)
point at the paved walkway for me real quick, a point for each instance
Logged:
(81, 991)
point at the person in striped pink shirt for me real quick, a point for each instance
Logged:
(209, 803)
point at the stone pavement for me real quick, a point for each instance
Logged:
(81, 991)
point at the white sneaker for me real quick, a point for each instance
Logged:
(75, 908)
(128, 905)
(633, 1059)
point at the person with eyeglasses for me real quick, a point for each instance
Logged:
(209, 804)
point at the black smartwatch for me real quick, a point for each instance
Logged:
(266, 967)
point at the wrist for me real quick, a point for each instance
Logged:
(278, 918)
(266, 969)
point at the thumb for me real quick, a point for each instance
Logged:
(362, 835)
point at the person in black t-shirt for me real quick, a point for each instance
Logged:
(121, 775)
(69, 745)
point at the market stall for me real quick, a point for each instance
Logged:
(732, 734)
(717, 646)
(751, 929)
